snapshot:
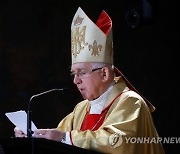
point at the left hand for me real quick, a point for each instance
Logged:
(51, 134)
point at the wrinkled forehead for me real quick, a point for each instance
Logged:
(80, 66)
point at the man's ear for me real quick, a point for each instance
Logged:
(105, 74)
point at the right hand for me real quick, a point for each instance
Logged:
(19, 133)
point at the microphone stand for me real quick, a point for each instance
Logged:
(29, 115)
(29, 118)
(29, 129)
(29, 112)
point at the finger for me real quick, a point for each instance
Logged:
(18, 132)
(20, 135)
(16, 129)
(41, 131)
(38, 135)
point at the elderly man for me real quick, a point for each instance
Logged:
(112, 112)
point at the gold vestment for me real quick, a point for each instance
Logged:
(127, 122)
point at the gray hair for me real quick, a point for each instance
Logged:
(99, 65)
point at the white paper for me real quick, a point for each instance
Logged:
(19, 119)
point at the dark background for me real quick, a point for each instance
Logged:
(35, 57)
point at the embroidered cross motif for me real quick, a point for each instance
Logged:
(95, 48)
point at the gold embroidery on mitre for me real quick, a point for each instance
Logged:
(78, 21)
(115, 140)
(78, 40)
(95, 48)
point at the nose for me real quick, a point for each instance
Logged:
(76, 80)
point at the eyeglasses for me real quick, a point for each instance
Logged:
(83, 73)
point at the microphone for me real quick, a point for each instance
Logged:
(29, 112)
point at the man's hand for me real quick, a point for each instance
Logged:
(51, 134)
(19, 133)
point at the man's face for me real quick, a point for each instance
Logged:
(87, 80)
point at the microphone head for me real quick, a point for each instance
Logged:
(62, 90)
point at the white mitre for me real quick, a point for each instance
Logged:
(91, 42)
